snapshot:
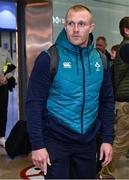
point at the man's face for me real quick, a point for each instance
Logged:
(101, 45)
(78, 27)
(113, 54)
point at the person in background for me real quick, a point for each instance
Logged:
(124, 54)
(101, 44)
(62, 115)
(113, 52)
(121, 75)
(5, 61)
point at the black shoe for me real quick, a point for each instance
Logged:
(127, 155)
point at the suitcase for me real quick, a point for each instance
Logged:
(18, 142)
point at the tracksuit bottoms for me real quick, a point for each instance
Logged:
(71, 160)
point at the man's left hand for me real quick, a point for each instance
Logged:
(105, 153)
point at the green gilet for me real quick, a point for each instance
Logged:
(121, 76)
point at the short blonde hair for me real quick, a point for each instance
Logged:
(77, 8)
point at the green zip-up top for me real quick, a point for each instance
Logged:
(74, 94)
(67, 108)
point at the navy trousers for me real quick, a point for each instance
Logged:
(71, 161)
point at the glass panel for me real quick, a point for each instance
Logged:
(38, 30)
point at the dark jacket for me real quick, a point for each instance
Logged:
(121, 73)
(124, 51)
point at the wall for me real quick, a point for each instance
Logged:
(107, 15)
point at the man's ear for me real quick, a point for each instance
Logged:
(126, 31)
(92, 26)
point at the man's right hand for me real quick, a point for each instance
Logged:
(41, 159)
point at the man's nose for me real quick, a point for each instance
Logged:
(76, 28)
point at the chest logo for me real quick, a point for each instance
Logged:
(97, 66)
(67, 65)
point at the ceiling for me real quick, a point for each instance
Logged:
(117, 2)
(25, 1)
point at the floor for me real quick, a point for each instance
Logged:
(11, 169)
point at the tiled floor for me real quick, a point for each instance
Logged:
(10, 169)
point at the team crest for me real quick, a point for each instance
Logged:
(67, 65)
(97, 66)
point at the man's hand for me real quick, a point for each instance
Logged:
(3, 80)
(41, 159)
(105, 153)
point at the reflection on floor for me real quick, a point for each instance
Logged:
(11, 169)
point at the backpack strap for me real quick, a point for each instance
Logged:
(104, 60)
(54, 59)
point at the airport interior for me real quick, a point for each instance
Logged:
(28, 27)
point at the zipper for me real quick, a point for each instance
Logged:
(77, 61)
(83, 102)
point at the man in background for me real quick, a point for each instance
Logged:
(101, 44)
(121, 83)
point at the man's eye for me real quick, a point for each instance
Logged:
(71, 23)
(82, 24)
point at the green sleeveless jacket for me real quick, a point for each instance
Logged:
(121, 76)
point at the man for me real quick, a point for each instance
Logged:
(124, 54)
(62, 115)
(121, 75)
(5, 60)
(113, 52)
(101, 44)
